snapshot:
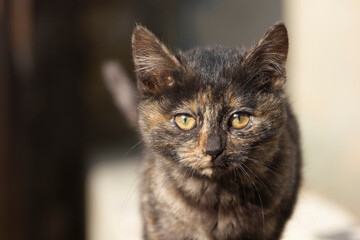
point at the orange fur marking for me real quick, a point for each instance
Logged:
(202, 140)
(159, 118)
(232, 102)
(193, 106)
(202, 98)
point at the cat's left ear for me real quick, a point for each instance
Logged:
(265, 62)
(155, 65)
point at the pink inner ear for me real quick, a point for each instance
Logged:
(155, 84)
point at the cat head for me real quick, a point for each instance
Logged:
(211, 110)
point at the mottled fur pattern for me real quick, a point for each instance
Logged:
(246, 192)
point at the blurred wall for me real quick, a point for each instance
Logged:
(41, 152)
(323, 73)
(235, 23)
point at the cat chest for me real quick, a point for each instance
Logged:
(205, 223)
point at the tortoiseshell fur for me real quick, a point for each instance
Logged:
(247, 192)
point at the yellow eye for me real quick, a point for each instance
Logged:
(185, 122)
(239, 120)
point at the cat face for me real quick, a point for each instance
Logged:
(212, 110)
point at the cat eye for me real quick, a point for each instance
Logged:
(239, 120)
(185, 121)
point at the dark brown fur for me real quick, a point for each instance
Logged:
(248, 191)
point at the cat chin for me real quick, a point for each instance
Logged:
(213, 172)
(209, 171)
(205, 166)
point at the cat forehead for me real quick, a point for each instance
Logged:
(208, 98)
(213, 54)
(214, 61)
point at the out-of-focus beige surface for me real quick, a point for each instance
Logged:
(323, 75)
(113, 208)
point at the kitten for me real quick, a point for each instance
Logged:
(222, 146)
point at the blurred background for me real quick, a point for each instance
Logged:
(68, 158)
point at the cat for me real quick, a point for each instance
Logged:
(222, 150)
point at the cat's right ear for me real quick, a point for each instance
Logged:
(155, 65)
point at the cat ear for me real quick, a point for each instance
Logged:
(154, 63)
(265, 62)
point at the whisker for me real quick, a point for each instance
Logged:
(137, 144)
(138, 184)
(242, 184)
(157, 196)
(268, 167)
(257, 191)
(277, 207)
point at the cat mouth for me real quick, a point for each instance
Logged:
(214, 168)
(208, 166)
(220, 162)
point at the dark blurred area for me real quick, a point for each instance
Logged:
(54, 109)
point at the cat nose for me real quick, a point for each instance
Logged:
(214, 153)
(213, 146)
